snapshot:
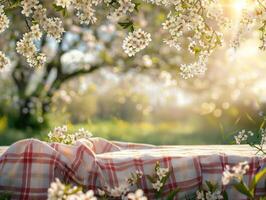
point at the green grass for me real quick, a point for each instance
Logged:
(163, 133)
(166, 133)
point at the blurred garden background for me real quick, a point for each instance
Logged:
(137, 99)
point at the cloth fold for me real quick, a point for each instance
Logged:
(29, 166)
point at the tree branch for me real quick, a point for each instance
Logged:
(66, 77)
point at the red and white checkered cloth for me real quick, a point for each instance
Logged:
(29, 166)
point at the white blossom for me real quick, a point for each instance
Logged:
(4, 61)
(28, 6)
(100, 192)
(89, 195)
(188, 22)
(138, 195)
(60, 191)
(234, 173)
(63, 3)
(263, 136)
(157, 185)
(56, 190)
(200, 195)
(214, 195)
(136, 41)
(162, 172)
(125, 6)
(27, 48)
(4, 21)
(119, 191)
(82, 134)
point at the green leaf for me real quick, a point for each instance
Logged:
(172, 194)
(262, 124)
(212, 187)
(250, 118)
(225, 195)
(60, 9)
(57, 8)
(242, 188)
(125, 24)
(150, 178)
(257, 178)
(5, 196)
(137, 5)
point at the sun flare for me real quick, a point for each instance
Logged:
(239, 5)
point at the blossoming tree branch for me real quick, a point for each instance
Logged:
(30, 27)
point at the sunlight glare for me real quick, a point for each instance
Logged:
(239, 5)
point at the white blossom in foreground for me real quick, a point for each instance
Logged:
(60, 191)
(138, 195)
(56, 190)
(214, 196)
(119, 191)
(157, 185)
(4, 21)
(200, 195)
(235, 173)
(4, 61)
(89, 195)
(162, 172)
(136, 41)
(100, 192)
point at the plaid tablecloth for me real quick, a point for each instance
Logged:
(28, 166)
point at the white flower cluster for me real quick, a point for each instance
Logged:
(61, 135)
(135, 178)
(53, 26)
(263, 136)
(252, 19)
(194, 69)
(235, 173)
(27, 48)
(60, 191)
(216, 195)
(246, 23)
(125, 6)
(243, 136)
(4, 21)
(136, 41)
(190, 20)
(119, 191)
(138, 195)
(4, 61)
(160, 174)
(82, 134)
